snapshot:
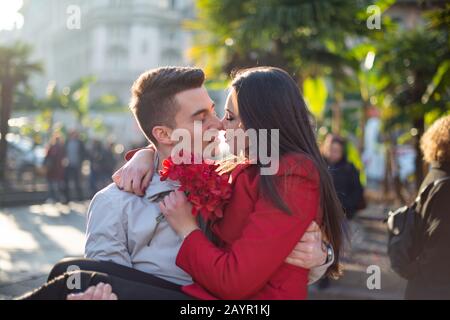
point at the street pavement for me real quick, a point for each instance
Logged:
(367, 251)
(33, 238)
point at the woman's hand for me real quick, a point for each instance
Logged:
(178, 213)
(135, 175)
(99, 292)
(309, 251)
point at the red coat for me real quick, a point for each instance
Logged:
(257, 237)
(54, 162)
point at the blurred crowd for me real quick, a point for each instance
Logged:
(64, 164)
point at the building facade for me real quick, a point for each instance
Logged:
(113, 40)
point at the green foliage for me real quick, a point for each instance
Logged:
(107, 103)
(307, 38)
(78, 98)
(15, 65)
(354, 157)
(413, 67)
(315, 93)
(15, 69)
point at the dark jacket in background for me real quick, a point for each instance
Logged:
(348, 187)
(432, 280)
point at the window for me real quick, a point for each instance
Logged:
(170, 57)
(117, 57)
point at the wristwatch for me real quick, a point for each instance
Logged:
(330, 253)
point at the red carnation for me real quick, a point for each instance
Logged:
(204, 187)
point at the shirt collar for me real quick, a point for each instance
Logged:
(158, 187)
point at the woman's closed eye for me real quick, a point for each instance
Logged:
(229, 116)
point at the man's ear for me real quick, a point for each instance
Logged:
(162, 134)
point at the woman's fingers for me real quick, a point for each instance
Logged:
(180, 196)
(116, 178)
(162, 207)
(113, 296)
(136, 185)
(166, 204)
(168, 201)
(126, 182)
(146, 181)
(173, 203)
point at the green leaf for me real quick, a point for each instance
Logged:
(354, 157)
(443, 68)
(315, 93)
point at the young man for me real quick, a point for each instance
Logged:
(128, 245)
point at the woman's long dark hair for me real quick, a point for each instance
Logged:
(268, 98)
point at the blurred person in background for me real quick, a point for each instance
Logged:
(75, 154)
(431, 279)
(110, 163)
(97, 155)
(102, 164)
(345, 175)
(345, 179)
(54, 164)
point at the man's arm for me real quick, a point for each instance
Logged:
(106, 236)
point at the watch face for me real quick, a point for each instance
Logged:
(329, 254)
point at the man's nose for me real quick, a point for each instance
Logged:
(217, 123)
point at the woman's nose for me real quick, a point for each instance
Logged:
(218, 123)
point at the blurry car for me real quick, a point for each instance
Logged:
(24, 156)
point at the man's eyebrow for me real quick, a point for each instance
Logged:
(196, 113)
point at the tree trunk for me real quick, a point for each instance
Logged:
(336, 117)
(419, 124)
(7, 89)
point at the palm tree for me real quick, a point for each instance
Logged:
(15, 69)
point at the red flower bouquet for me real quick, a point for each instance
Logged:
(205, 188)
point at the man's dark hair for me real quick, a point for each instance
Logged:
(152, 95)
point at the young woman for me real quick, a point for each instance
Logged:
(267, 213)
(345, 175)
